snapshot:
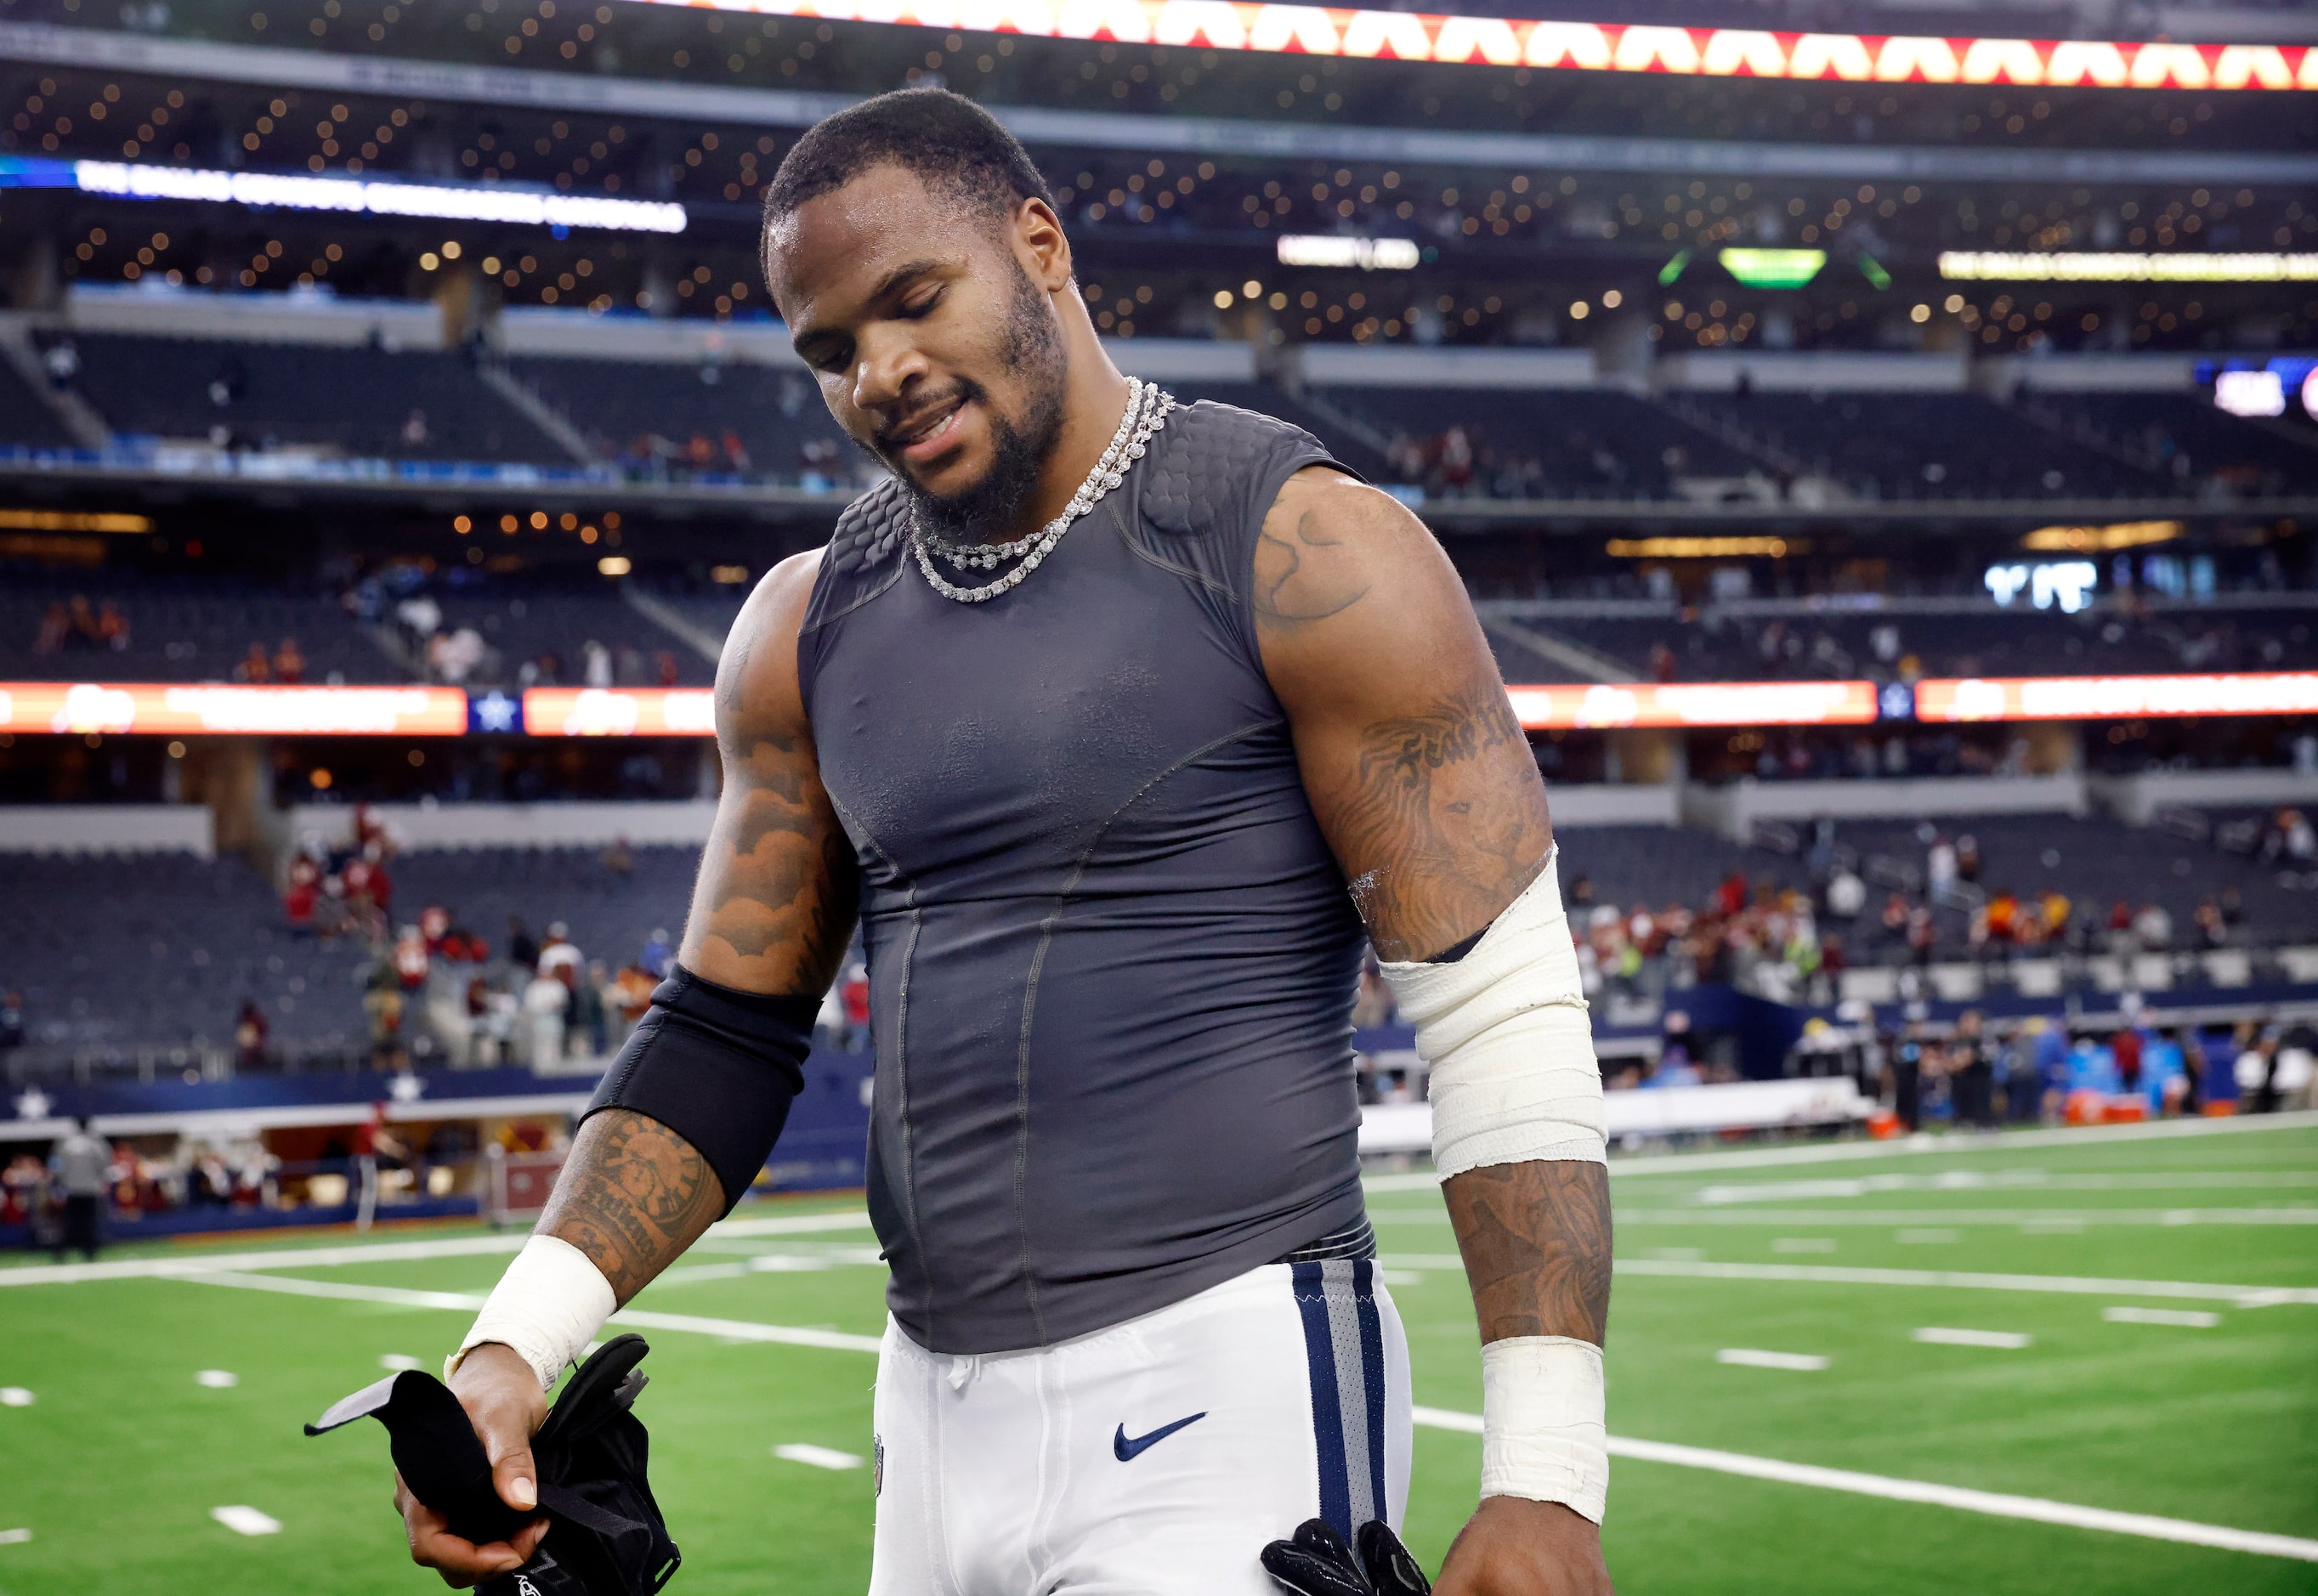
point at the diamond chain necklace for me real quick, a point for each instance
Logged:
(1146, 414)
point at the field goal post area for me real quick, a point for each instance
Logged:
(516, 1184)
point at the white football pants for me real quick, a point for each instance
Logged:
(1154, 1458)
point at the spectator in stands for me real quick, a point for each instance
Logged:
(249, 1035)
(1846, 893)
(523, 947)
(2124, 1053)
(590, 1014)
(1907, 1076)
(545, 1001)
(61, 361)
(2213, 931)
(382, 1005)
(557, 952)
(12, 1020)
(289, 664)
(2152, 927)
(300, 897)
(1940, 866)
(112, 627)
(83, 1166)
(256, 667)
(658, 954)
(414, 430)
(596, 670)
(1973, 1072)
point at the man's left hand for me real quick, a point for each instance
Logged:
(1511, 1547)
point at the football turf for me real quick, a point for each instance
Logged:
(115, 1453)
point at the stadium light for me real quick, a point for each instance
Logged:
(74, 520)
(1327, 249)
(1773, 268)
(2250, 393)
(1989, 266)
(361, 196)
(2101, 540)
(1590, 47)
(1701, 548)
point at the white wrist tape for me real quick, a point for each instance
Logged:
(1543, 1431)
(548, 1306)
(1505, 1032)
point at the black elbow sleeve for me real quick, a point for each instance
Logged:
(716, 1066)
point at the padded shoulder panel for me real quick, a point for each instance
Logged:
(1207, 455)
(870, 530)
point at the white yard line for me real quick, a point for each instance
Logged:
(1997, 1504)
(1807, 1363)
(1936, 1335)
(731, 1329)
(1761, 1158)
(2174, 1316)
(298, 1258)
(1807, 1218)
(1678, 1164)
(247, 1521)
(1766, 1468)
(1960, 1280)
(806, 1453)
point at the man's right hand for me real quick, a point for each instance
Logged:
(504, 1402)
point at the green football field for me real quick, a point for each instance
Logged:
(2132, 1404)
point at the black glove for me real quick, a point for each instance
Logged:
(605, 1535)
(1317, 1563)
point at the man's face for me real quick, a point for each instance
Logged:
(935, 349)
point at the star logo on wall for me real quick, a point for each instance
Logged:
(33, 1104)
(406, 1089)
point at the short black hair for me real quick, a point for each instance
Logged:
(947, 140)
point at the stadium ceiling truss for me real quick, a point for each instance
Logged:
(1589, 46)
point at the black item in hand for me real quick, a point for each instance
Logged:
(605, 1535)
(1317, 1563)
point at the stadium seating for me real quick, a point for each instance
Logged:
(360, 403)
(177, 629)
(25, 418)
(118, 954)
(528, 624)
(660, 418)
(1928, 446)
(1594, 443)
(160, 951)
(1738, 644)
(2183, 437)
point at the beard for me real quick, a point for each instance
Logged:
(1032, 348)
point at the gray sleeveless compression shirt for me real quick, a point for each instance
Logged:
(1111, 959)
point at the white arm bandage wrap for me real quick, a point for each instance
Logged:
(548, 1306)
(1505, 1032)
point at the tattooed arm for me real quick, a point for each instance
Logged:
(1426, 785)
(771, 913)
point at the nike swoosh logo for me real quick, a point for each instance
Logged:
(1128, 1451)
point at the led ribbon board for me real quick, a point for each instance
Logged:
(78, 708)
(441, 202)
(1699, 704)
(1985, 265)
(688, 711)
(2116, 697)
(1590, 47)
(610, 711)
